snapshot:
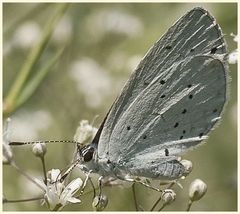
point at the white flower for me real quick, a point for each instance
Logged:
(92, 81)
(63, 30)
(233, 56)
(27, 124)
(26, 35)
(113, 21)
(6, 149)
(57, 195)
(85, 132)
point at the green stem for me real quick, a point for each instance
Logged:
(156, 203)
(32, 58)
(189, 205)
(27, 176)
(44, 170)
(134, 197)
(162, 207)
(22, 200)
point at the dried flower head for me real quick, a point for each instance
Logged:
(188, 166)
(168, 196)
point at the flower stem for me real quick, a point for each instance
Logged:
(189, 205)
(22, 200)
(134, 197)
(44, 170)
(27, 176)
(162, 207)
(156, 203)
(32, 58)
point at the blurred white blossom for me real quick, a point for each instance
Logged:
(120, 62)
(26, 35)
(85, 132)
(58, 195)
(92, 80)
(27, 124)
(113, 21)
(7, 48)
(133, 62)
(63, 30)
(233, 56)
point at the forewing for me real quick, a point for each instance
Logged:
(194, 34)
(160, 126)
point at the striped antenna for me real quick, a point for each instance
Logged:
(45, 141)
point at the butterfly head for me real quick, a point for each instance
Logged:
(86, 153)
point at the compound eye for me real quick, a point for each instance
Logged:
(88, 155)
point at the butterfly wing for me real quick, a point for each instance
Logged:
(173, 98)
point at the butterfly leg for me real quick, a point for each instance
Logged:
(85, 182)
(100, 184)
(141, 182)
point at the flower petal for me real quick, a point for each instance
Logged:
(74, 200)
(70, 190)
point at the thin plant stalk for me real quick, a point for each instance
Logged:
(32, 58)
(156, 203)
(189, 205)
(44, 170)
(27, 176)
(22, 200)
(134, 197)
(162, 207)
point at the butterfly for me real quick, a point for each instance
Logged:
(168, 106)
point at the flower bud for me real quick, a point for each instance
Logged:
(168, 196)
(188, 166)
(100, 202)
(197, 190)
(39, 149)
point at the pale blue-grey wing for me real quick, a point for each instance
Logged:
(172, 115)
(196, 33)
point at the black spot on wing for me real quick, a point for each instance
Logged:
(166, 152)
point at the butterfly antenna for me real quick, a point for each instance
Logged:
(16, 143)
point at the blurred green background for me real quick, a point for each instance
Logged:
(103, 44)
